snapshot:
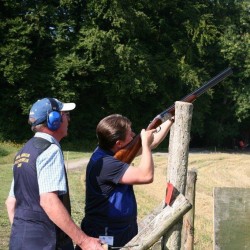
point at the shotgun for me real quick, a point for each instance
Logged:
(128, 153)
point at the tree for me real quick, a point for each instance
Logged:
(31, 33)
(129, 57)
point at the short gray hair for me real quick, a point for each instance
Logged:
(38, 127)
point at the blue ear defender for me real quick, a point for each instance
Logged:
(54, 118)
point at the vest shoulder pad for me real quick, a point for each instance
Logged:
(41, 143)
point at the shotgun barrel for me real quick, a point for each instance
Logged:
(128, 153)
(198, 92)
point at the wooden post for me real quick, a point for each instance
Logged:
(157, 225)
(178, 163)
(187, 238)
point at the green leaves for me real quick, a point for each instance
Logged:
(129, 57)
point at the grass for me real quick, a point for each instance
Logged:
(5, 179)
(213, 170)
(7, 153)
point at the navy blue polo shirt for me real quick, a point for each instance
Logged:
(110, 206)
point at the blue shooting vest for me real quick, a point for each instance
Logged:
(32, 229)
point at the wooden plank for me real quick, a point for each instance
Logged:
(148, 218)
(160, 223)
(231, 218)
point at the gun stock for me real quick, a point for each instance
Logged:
(128, 153)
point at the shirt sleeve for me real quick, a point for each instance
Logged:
(11, 193)
(112, 170)
(51, 172)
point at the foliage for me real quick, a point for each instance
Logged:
(129, 57)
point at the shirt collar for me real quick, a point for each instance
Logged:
(47, 137)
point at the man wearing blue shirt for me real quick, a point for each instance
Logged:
(110, 205)
(38, 204)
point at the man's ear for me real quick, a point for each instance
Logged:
(119, 144)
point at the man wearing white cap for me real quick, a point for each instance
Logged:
(38, 204)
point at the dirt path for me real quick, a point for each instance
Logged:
(80, 163)
(77, 164)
